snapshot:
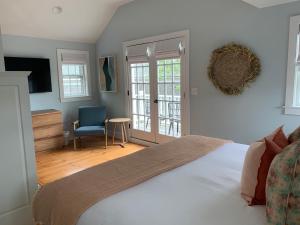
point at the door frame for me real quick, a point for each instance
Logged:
(185, 34)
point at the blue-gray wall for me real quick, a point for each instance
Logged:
(213, 23)
(34, 47)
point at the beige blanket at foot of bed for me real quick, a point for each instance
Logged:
(64, 201)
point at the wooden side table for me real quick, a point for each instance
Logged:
(122, 123)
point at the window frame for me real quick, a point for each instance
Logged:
(290, 107)
(60, 62)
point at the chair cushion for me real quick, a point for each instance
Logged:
(91, 116)
(89, 130)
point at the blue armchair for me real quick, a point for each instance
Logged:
(92, 121)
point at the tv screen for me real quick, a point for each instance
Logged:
(40, 78)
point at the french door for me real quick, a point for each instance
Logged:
(157, 87)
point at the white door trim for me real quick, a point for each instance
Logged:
(185, 82)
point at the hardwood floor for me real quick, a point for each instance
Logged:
(56, 164)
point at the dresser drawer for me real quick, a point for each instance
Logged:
(46, 119)
(49, 143)
(48, 131)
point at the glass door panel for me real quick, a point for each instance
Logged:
(169, 96)
(140, 100)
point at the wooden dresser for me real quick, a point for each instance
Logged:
(48, 129)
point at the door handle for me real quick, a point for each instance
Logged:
(155, 101)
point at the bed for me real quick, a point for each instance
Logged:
(205, 191)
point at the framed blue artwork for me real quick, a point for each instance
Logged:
(108, 74)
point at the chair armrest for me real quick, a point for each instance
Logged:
(75, 124)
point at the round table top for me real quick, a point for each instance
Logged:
(119, 120)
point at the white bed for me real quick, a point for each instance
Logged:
(203, 192)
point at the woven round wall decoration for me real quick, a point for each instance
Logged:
(232, 68)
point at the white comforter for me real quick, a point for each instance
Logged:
(203, 192)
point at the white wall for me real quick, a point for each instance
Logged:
(213, 23)
(1, 54)
(44, 48)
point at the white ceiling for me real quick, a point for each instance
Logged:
(81, 20)
(267, 3)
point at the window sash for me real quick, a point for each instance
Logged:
(74, 84)
(74, 87)
(79, 69)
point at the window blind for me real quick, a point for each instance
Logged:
(74, 57)
(170, 46)
(174, 46)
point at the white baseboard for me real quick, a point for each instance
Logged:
(141, 142)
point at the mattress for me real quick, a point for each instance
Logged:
(203, 192)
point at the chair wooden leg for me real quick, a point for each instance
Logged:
(114, 134)
(122, 129)
(74, 141)
(106, 139)
(125, 133)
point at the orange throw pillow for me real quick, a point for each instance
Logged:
(271, 150)
(257, 164)
(279, 138)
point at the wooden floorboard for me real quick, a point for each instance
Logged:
(56, 164)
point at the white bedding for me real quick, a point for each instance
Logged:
(203, 192)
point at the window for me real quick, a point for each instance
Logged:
(74, 75)
(293, 70)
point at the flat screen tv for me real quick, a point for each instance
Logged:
(40, 78)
